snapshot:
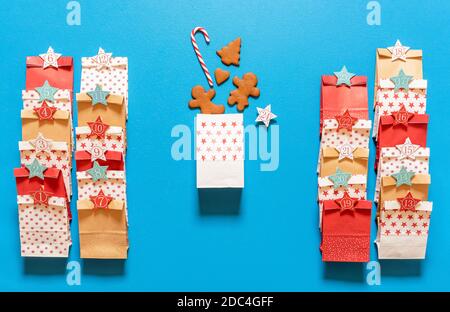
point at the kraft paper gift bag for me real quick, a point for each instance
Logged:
(346, 230)
(391, 189)
(51, 67)
(346, 157)
(44, 225)
(335, 99)
(336, 133)
(51, 154)
(53, 124)
(102, 213)
(220, 151)
(396, 128)
(409, 155)
(334, 186)
(111, 73)
(101, 103)
(103, 228)
(389, 61)
(403, 227)
(389, 101)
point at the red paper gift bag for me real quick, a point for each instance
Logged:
(337, 99)
(59, 73)
(53, 183)
(346, 230)
(112, 159)
(396, 128)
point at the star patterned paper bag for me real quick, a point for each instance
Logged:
(220, 151)
(344, 130)
(346, 230)
(335, 99)
(346, 157)
(401, 183)
(334, 186)
(109, 138)
(390, 60)
(44, 225)
(396, 128)
(409, 155)
(403, 227)
(61, 99)
(51, 67)
(101, 103)
(111, 73)
(49, 153)
(389, 99)
(102, 213)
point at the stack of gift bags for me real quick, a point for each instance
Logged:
(100, 157)
(344, 211)
(402, 156)
(44, 179)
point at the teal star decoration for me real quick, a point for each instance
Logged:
(403, 177)
(401, 81)
(98, 172)
(340, 178)
(46, 92)
(36, 169)
(344, 77)
(98, 96)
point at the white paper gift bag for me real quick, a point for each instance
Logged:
(220, 151)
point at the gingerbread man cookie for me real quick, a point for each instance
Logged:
(202, 99)
(245, 87)
(231, 53)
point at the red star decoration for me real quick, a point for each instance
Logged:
(101, 201)
(41, 197)
(402, 116)
(408, 202)
(347, 202)
(98, 128)
(345, 121)
(45, 112)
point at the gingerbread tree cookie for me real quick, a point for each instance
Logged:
(245, 87)
(230, 54)
(202, 99)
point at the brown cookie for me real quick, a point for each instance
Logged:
(245, 87)
(221, 76)
(230, 54)
(202, 99)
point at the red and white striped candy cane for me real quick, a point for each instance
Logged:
(199, 55)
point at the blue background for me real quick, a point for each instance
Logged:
(271, 241)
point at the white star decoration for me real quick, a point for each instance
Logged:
(50, 58)
(265, 115)
(407, 149)
(97, 152)
(102, 59)
(41, 144)
(398, 51)
(345, 151)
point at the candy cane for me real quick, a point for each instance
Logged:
(199, 55)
